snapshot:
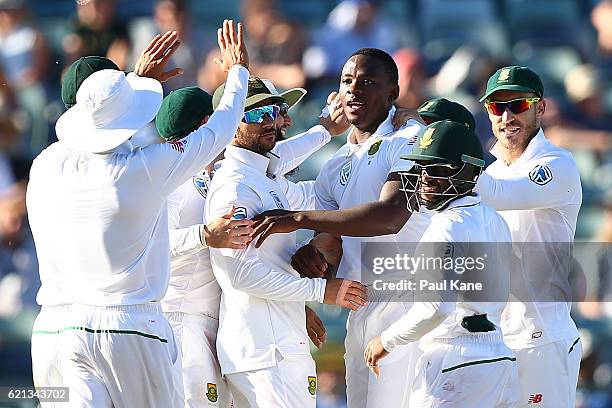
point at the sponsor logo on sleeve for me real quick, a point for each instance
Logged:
(541, 174)
(534, 399)
(240, 213)
(345, 173)
(277, 200)
(201, 184)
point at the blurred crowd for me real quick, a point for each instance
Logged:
(442, 48)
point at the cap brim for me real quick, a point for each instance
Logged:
(255, 99)
(76, 129)
(422, 157)
(517, 88)
(293, 96)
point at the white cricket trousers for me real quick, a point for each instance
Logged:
(476, 370)
(108, 356)
(392, 388)
(203, 384)
(291, 383)
(548, 374)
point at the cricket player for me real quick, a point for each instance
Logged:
(536, 187)
(98, 215)
(191, 303)
(262, 343)
(355, 175)
(466, 363)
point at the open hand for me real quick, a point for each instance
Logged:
(315, 328)
(373, 353)
(345, 293)
(336, 123)
(153, 60)
(231, 44)
(224, 232)
(273, 222)
(403, 115)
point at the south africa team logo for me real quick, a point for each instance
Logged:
(345, 173)
(211, 393)
(374, 148)
(541, 174)
(312, 385)
(427, 139)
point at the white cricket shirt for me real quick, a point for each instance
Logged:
(193, 288)
(262, 305)
(99, 220)
(355, 175)
(539, 196)
(464, 224)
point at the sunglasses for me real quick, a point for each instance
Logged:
(435, 170)
(516, 106)
(257, 115)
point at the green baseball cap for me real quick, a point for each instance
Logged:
(182, 111)
(78, 71)
(442, 109)
(260, 90)
(514, 78)
(448, 142)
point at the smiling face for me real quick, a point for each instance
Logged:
(259, 137)
(366, 92)
(515, 131)
(434, 181)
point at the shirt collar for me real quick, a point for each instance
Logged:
(466, 201)
(533, 148)
(383, 129)
(248, 158)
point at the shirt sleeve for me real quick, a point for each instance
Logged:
(551, 182)
(426, 315)
(301, 196)
(323, 197)
(243, 268)
(295, 150)
(182, 240)
(169, 164)
(401, 145)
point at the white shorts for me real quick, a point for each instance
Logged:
(292, 383)
(392, 388)
(200, 372)
(471, 371)
(115, 356)
(46, 350)
(548, 374)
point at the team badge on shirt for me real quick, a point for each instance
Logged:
(201, 184)
(345, 173)
(277, 200)
(211, 392)
(312, 385)
(374, 148)
(541, 174)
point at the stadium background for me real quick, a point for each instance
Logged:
(442, 47)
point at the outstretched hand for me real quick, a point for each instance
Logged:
(231, 44)
(153, 60)
(403, 115)
(273, 222)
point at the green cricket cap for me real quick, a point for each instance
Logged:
(443, 109)
(182, 111)
(78, 71)
(260, 89)
(514, 78)
(448, 142)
